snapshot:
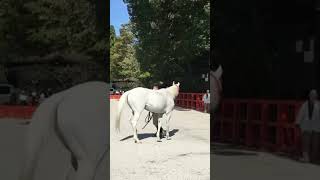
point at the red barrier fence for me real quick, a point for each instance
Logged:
(190, 101)
(117, 97)
(263, 124)
(184, 100)
(19, 112)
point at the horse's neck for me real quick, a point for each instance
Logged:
(172, 92)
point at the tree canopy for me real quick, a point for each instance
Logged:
(169, 36)
(123, 62)
(44, 29)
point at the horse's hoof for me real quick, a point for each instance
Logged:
(159, 141)
(168, 138)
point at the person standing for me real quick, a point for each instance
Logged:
(22, 98)
(308, 121)
(155, 87)
(42, 97)
(49, 92)
(206, 101)
(34, 97)
(155, 117)
(315, 141)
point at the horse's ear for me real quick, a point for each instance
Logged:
(178, 84)
(173, 83)
(218, 72)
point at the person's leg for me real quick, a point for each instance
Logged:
(205, 107)
(317, 153)
(312, 146)
(306, 142)
(315, 147)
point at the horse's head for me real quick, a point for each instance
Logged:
(216, 86)
(177, 86)
(174, 89)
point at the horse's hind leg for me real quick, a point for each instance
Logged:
(167, 130)
(134, 121)
(158, 132)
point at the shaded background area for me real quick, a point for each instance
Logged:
(53, 44)
(49, 45)
(269, 49)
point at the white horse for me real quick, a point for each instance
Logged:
(78, 116)
(215, 88)
(159, 102)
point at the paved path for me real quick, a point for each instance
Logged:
(53, 160)
(185, 157)
(233, 163)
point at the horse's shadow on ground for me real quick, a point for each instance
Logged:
(181, 109)
(149, 135)
(230, 150)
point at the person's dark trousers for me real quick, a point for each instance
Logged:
(306, 145)
(206, 107)
(315, 148)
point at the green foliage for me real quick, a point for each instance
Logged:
(112, 36)
(39, 28)
(64, 25)
(171, 35)
(123, 62)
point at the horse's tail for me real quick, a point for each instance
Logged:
(38, 131)
(122, 102)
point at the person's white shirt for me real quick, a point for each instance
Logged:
(23, 97)
(303, 120)
(42, 97)
(206, 98)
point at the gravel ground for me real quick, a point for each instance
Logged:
(185, 157)
(53, 163)
(231, 162)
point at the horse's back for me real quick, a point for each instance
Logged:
(139, 92)
(152, 100)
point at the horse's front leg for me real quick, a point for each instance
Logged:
(167, 131)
